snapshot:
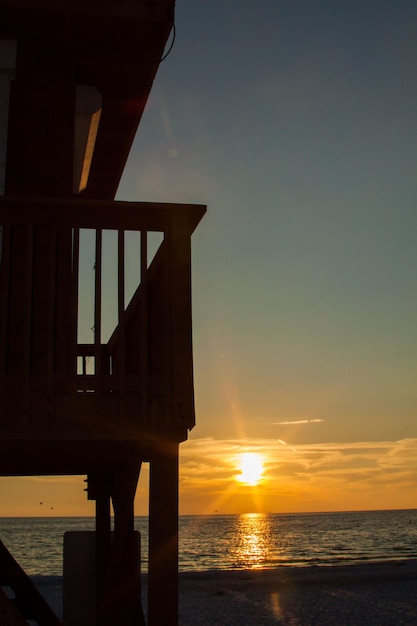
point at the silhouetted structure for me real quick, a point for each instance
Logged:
(74, 79)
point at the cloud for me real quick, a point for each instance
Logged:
(370, 474)
(285, 444)
(315, 421)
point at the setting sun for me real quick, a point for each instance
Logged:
(251, 468)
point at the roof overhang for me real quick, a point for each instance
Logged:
(116, 47)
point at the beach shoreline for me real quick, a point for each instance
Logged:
(370, 594)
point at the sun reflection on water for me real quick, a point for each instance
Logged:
(253, 532)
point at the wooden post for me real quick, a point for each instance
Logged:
(163, 536)
(126, 607)
(103, 544)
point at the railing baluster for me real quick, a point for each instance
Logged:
(168, 292)
(74, 304)
(4, 316)
(27, 320)
(97, 318)
(50, 351)
(143, 365)
(121, 321)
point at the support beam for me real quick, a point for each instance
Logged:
(103, 543)
(118, 589)
(28, 601)
(163, 536)
(124, 579)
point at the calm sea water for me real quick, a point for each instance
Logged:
(238, 541)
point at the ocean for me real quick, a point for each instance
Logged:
(237, 542)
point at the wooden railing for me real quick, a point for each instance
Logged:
(53, 380)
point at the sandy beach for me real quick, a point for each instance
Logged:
(383, 594)
(377, 594)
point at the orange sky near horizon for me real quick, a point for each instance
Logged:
(304, 478)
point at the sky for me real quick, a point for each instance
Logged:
(295, 122)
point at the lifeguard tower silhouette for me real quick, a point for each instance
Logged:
(74, 79)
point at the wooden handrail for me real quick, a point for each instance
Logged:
(111, 215)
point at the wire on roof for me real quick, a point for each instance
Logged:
(172, 43)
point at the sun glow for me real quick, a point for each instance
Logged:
(251, 468)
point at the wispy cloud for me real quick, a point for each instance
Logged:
(315, 421)
(375, 474)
